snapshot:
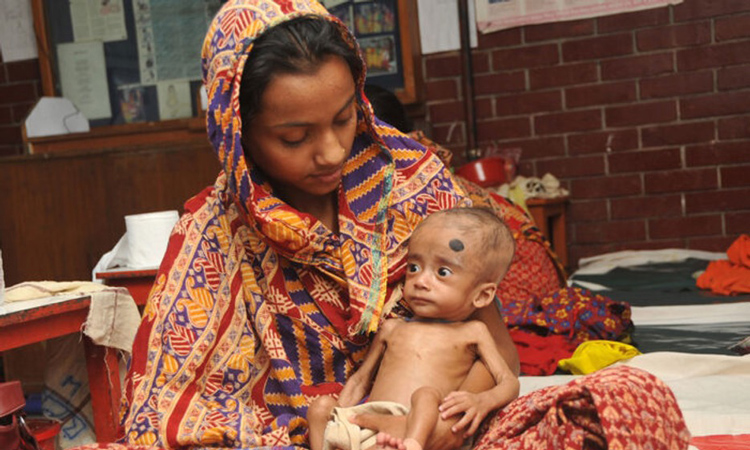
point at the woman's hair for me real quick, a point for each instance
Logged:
(299, 45)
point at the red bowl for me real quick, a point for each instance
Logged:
(486, 172)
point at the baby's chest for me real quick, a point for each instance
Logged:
(434, 343)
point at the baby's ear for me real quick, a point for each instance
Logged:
(485, 293)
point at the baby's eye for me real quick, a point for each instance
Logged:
(444, 272)
(412, 268)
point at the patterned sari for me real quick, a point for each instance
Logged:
(257, 307)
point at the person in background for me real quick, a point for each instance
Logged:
(388, 107)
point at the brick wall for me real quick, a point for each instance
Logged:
(20, 88)
(642, 116)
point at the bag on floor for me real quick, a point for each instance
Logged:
(14, 434)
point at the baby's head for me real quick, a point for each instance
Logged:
(456, 259)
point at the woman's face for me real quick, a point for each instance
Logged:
(304, 131)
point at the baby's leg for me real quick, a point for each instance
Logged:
(317, 418)
(422, 417)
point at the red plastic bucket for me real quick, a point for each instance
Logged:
(486, 172)
(45, 431)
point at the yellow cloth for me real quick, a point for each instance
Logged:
(344, 435)
(594, 355)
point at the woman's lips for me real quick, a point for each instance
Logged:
(328, 177)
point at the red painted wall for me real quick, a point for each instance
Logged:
(643, 116)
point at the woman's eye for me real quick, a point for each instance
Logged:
(343, 121)
(293, 142)
(444, 271)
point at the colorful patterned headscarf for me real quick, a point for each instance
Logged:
(369, 174)
(258, 307)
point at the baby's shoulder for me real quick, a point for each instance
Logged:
(389, 325)
(474, 328)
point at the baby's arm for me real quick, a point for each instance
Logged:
(358, 385)
(475, 407)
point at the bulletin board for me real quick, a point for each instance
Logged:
(376, 26)
(125, 62)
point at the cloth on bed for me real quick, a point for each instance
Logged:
(721, 442)
(344, 435)
(615, 408)
(594, 355)
(729, 276)
(669, 311)
(548, 328)
(665, 270)
(714, 328)
(711, 390)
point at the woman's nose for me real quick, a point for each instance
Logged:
(330, 152)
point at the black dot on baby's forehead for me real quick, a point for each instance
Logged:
(456, 245)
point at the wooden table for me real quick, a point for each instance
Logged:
(549, 216)
(137, 281)
(32, 321)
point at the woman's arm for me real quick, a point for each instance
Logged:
(492, 317)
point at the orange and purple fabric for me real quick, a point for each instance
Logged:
(258, 308)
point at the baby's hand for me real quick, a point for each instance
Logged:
(473, 407)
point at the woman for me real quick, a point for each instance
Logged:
(277, 277)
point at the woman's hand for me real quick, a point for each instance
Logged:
(473, 407)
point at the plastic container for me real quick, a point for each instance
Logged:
(486, 172)
(45, 431)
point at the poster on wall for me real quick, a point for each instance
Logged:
(495, 15)
(375, 24)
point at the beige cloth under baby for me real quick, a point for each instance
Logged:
(344, 435)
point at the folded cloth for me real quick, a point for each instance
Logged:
(729, 276)
(539, 354)
(31, 290)
(113, 316)
(597, 354)
(344, 435)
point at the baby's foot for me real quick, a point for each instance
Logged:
(385, 441)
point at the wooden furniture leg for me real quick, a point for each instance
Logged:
(104, 383)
